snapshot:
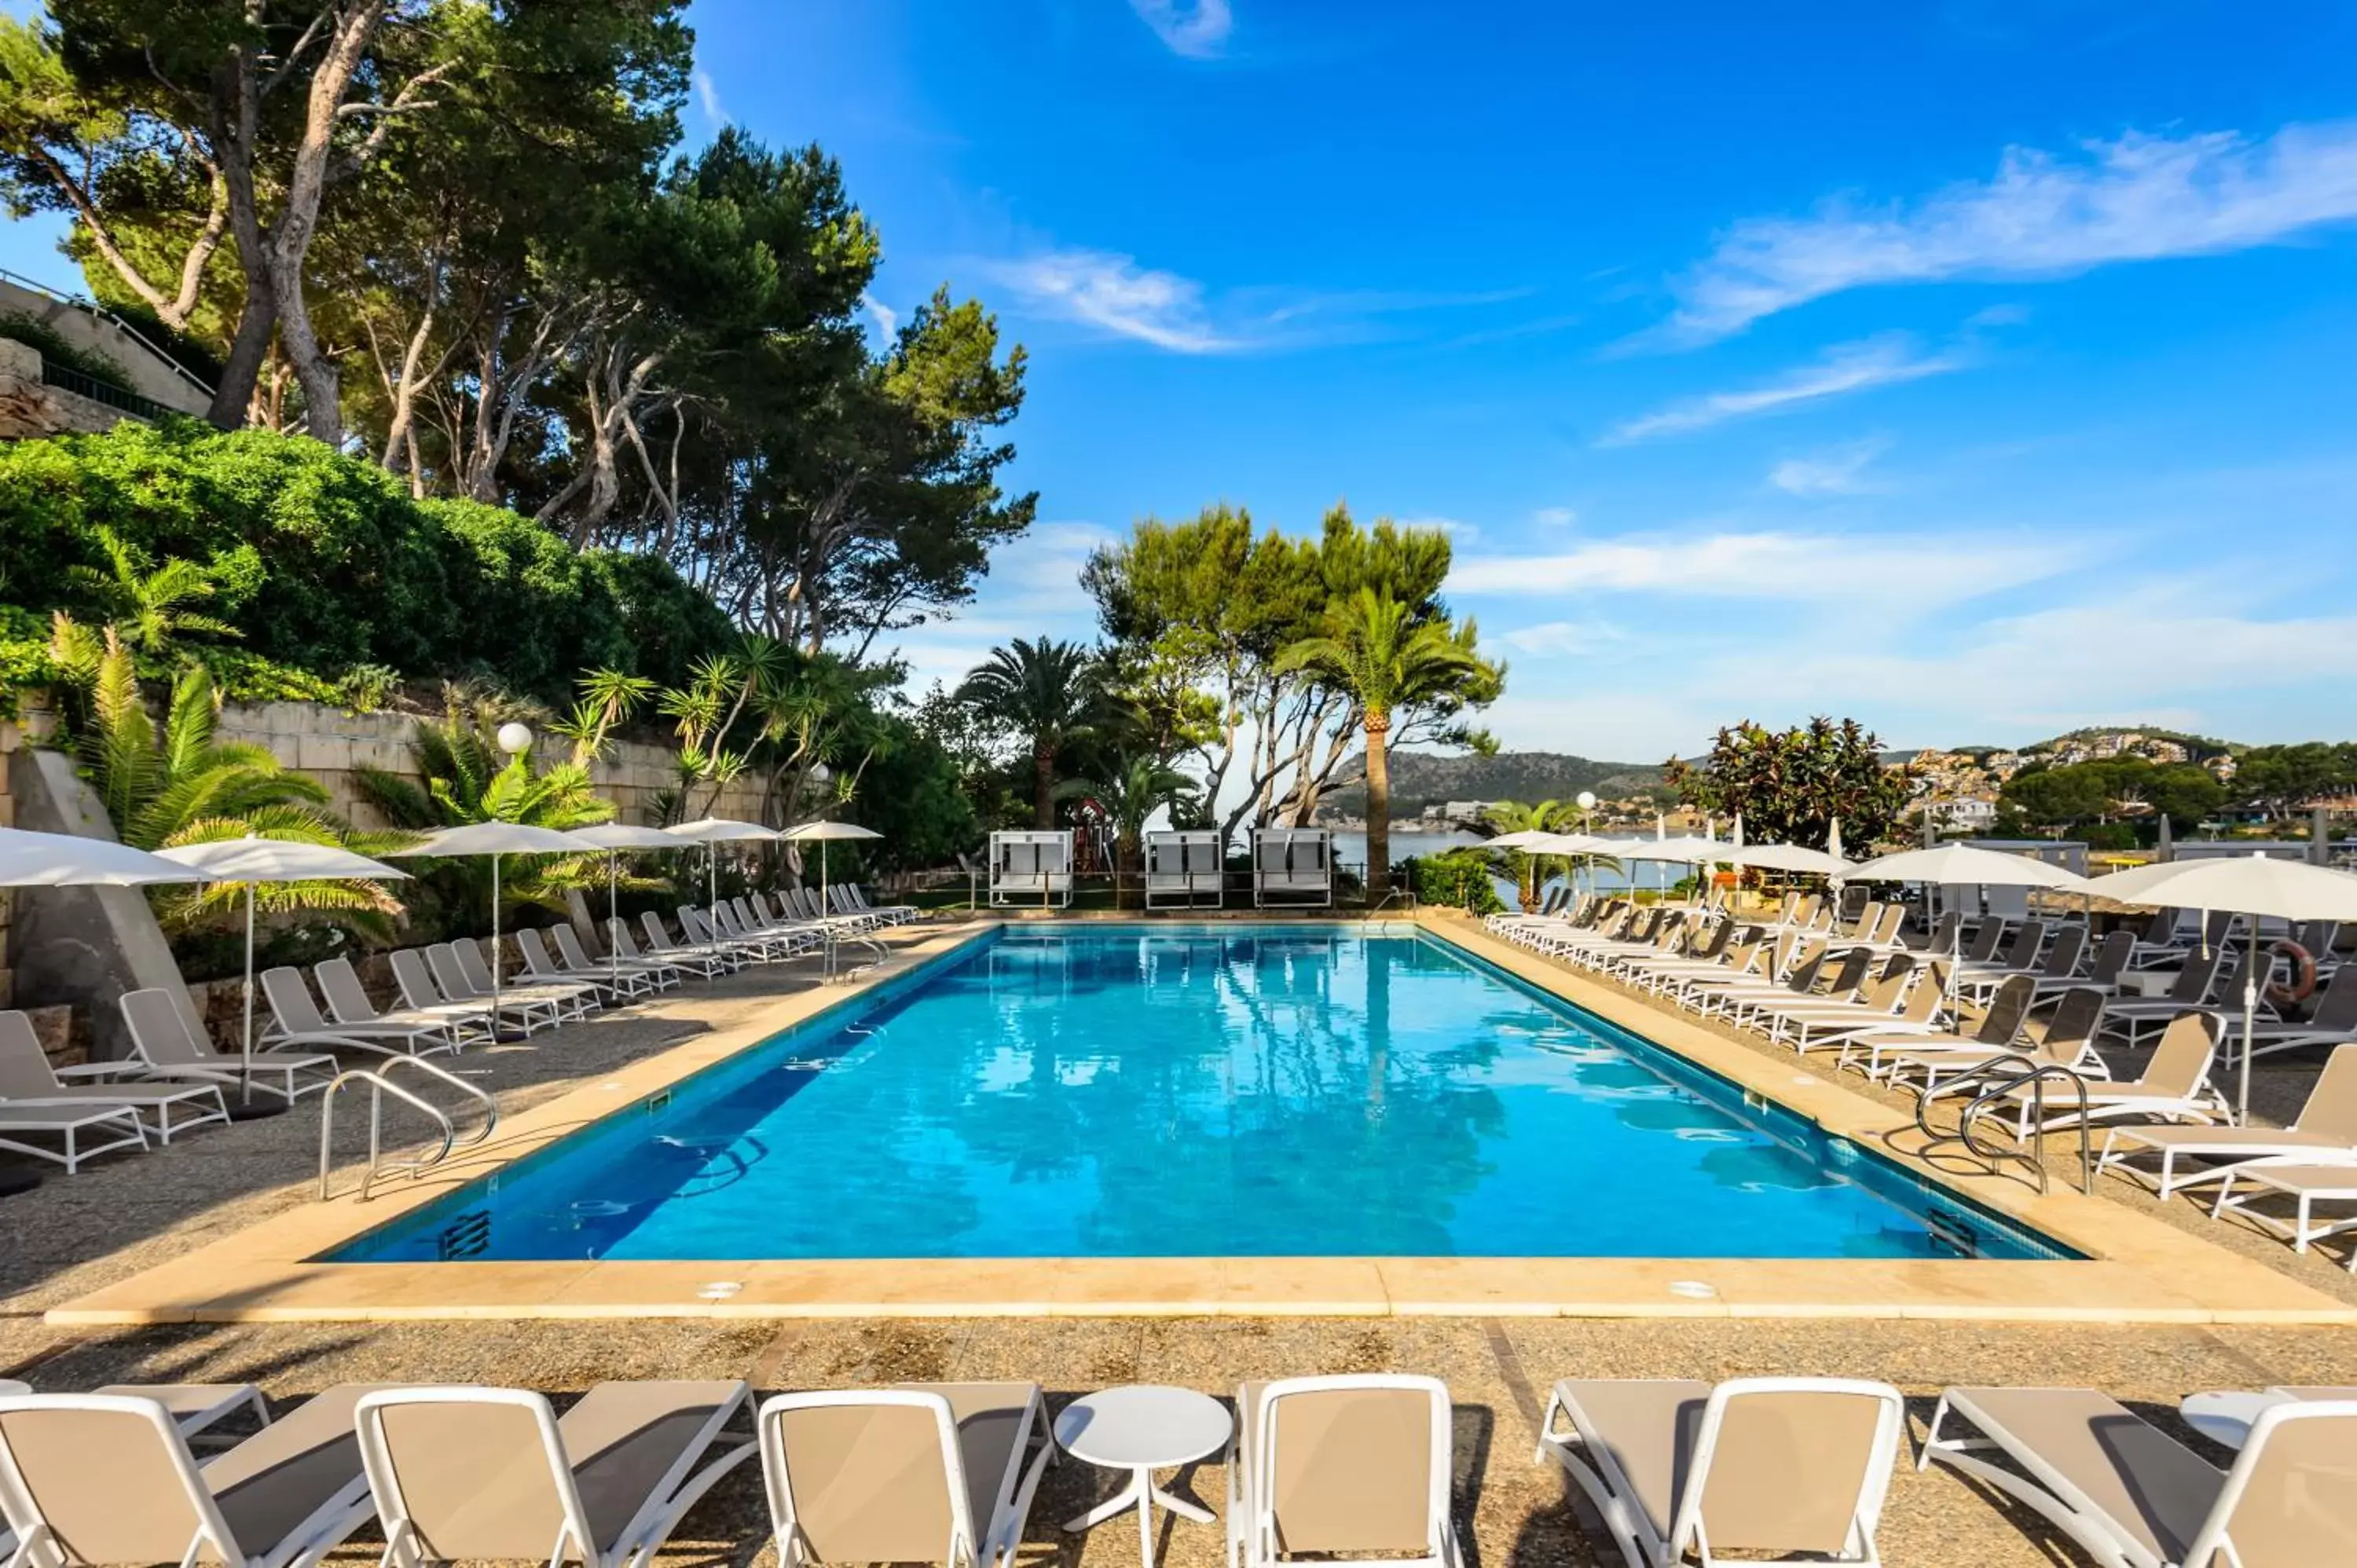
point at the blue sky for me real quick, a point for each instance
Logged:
(1976, 369)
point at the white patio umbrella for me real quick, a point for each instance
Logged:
(612, 838)
(1962, 865)
(1522, 838)
(712, 832)
(1833, 838)
(253, 860)
(29, 859)
(495, 839)
(823, 833)
(1790, 857)
(2248, 885)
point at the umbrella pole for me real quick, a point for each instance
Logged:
(827, 932)
(613, 916)
(245, 1051)
(495, 948)
(2250, 1027)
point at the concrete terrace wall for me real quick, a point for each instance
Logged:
(332, 745)
(143, 372)
(30, 408)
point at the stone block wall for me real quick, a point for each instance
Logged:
(30, 408)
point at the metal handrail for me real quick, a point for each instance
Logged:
(380, 1085)
(2005, 1075)
(92, 307)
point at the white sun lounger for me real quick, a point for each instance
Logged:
(467, 1473)
(659, 975)
(712, 957)
(1352, 1468)
(169, 1048)
(2134, 1496)
(704, 962)
(613, 983)
(526, 1010)
(1785, 1466)
(2306, 1185)
(572, 999)
(420, 996)
(2324, 1133)
(349, 1007)
(296, 1020)
(914, 1473)
(166, 1110)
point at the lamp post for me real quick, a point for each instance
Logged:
(515, 740)
(1586, 801)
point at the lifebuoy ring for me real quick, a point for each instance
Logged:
(2303, 974)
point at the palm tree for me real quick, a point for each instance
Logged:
(1529, 871)
(1130, 793)
(178, 784)
(151, 607)
(1377, 650)
(1042, 691)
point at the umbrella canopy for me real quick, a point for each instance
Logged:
(809, 832)
(493, 838)
(1523, 839)
(1566, 844)
(719, 829)
(1790, 857)
(257, 859)
(1961, 866)
(253, 859)
(2242, 884)
(68, 859)
(1684, 850)
(621, 835)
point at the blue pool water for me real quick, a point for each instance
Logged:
(1201, 1091)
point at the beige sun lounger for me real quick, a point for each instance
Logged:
(2134, 1496)
(708, 962)
(474, 1473)
(1784, 1466)
(1353, 1468)
(2325, 1131)
(914, 1473)
(2174, 1087)
(27, 1078)
(572, 999)
(108, 1477)
(169, 1048)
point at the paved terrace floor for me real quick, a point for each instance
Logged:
(72, 1237)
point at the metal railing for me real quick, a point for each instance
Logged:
(64, 377)
(379, 1084)
(2004, 1077)
(92, 309)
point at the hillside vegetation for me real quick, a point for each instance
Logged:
(1419, 778)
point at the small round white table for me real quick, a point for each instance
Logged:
(2227, 1417)
(1143, 1428)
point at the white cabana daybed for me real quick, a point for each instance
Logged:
(1031, 867)
(1183, 869)
(1293, 866)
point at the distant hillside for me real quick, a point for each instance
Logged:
(1418, 779)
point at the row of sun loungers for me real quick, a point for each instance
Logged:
(175, 1080)
(1895, 1014)
(1354, 1468)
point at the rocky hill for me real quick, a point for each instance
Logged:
(1419, 778)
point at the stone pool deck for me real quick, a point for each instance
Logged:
(74, 1238)
(2139, 1266)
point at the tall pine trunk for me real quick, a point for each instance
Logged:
(1043, 789)
(1379, 807)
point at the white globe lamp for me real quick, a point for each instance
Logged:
(515, 737)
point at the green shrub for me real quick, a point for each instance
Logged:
(1457, 879)
(326, 563)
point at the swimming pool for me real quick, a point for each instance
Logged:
(1194, 1090)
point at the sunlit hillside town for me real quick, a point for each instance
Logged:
(1190, 781)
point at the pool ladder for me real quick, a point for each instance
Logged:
(379, 1083)
(2000, 1078)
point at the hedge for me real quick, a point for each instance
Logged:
(326, 562)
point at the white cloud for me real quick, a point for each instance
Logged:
(1114, 293)
(1458, 533)
(1881, 360)
(1197, 29)
(887, 320)
(1891, 573)
(1555, 516)
(1837, 471)
(2136, 198)
(709, 97)
(1565, 639)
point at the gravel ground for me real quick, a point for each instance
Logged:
(70, 1237)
